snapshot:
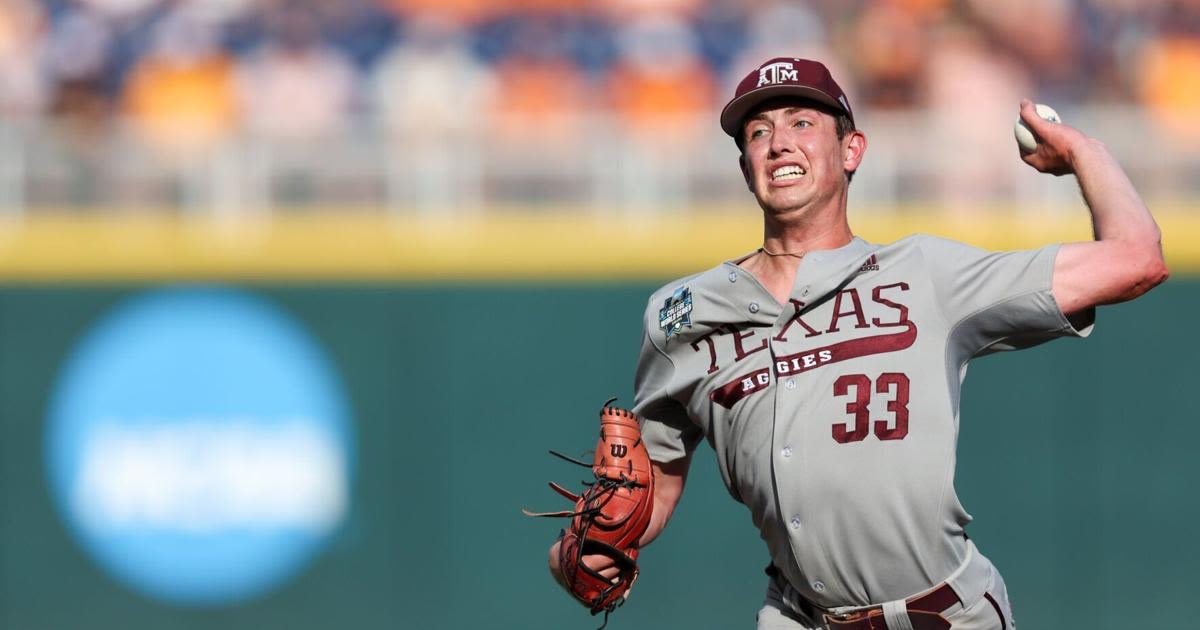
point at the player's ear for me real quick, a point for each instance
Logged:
(854, 145)
(745, 171)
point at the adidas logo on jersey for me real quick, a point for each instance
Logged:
(871, 265)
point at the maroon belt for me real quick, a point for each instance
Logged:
(925, 611)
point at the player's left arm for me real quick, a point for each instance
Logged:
(1126, 259)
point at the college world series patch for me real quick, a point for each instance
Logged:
(676, 312)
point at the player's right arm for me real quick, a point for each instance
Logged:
(669, 479)
(668, 433)
(667, 430)
(1125, 260)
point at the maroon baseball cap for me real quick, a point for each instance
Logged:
(783, 76)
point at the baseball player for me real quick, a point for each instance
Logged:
(824, 370)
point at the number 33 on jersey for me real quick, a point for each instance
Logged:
(841, 406)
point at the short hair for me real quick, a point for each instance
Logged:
(842, 124)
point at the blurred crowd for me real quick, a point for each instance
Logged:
(187, 72)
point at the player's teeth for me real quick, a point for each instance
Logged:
(787, 172)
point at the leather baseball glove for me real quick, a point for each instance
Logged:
(610, 515)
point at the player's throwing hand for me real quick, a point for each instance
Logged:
(1057, 144)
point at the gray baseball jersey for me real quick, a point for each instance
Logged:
(834, 417)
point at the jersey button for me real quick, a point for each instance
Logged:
(790, 383)
(733, 276)
(754, 307)
(818, 586)
(795, 522)
(787, 451)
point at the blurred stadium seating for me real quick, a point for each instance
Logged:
(248, 106)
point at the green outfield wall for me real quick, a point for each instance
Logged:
(1077, 460)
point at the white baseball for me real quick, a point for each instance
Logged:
(1025, 137)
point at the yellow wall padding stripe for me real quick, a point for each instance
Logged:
(496, 246)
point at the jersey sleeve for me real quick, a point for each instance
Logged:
(667, 430)
(996, 301)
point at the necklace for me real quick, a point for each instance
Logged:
(768, 252)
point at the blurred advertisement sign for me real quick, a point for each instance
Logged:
(199, 445)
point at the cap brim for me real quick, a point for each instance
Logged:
(736, 110)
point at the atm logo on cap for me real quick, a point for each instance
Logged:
(778, 72)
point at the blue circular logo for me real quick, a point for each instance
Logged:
(199, 446)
